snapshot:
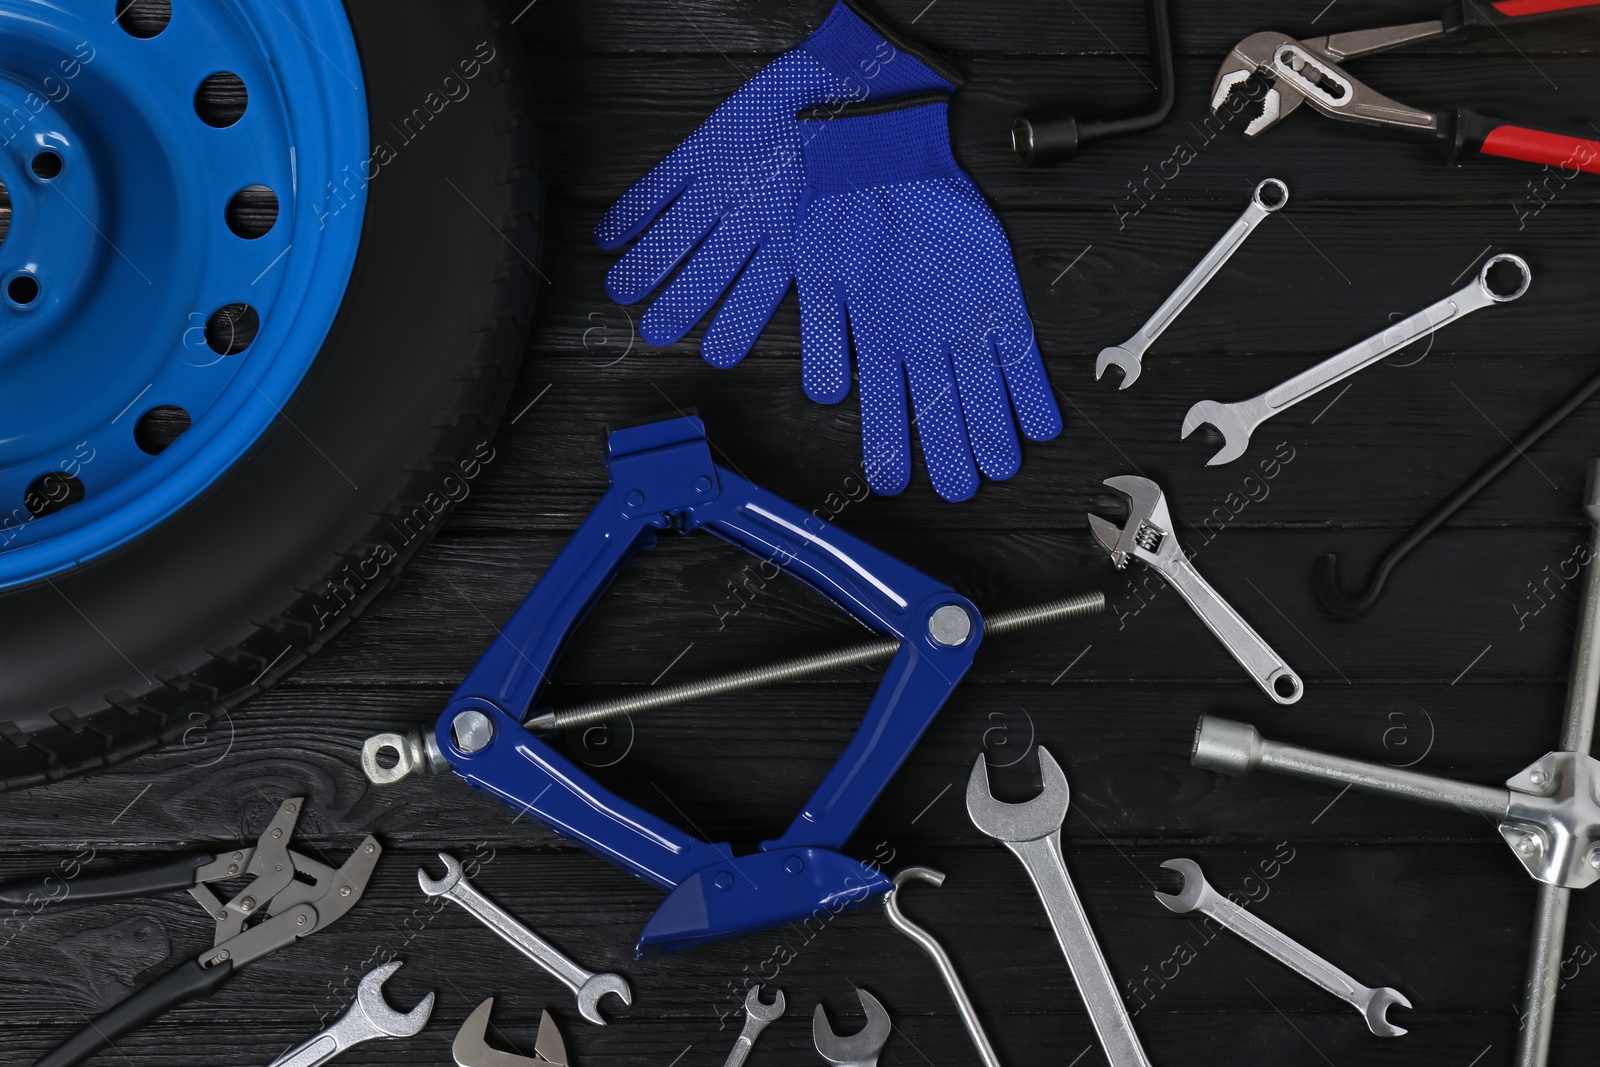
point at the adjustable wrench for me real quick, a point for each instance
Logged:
(370, 1017)
(1033, 832)
(1238, 420)
(1148, 536)
(589, 987)
(1127, 356)
(757, 1017)
(1197, 895)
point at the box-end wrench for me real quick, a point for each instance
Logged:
(1128, 357)
(1032, 831)
(758, 1015)
(588, 986)
(1237, 421)
(1197, 895)
(369, 1018)
(1148, 536)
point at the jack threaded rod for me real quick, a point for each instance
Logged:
(1000, 623)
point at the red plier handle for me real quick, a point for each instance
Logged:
(1469, 133)
(1473, 14)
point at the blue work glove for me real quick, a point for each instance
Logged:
(899, 250)
(738, 178)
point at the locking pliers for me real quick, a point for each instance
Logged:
(288, 896)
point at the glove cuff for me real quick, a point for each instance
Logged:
(871, 60)
(864, 145)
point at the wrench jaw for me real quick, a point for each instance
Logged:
(1194, 887)
(471, 1045)
(1223, 418)
(763, 1013)
(390, 1023)
(1121, 358)
(1016, 823)
(438, 887)
(1377, 1008)
(857, 1050)
(1147, 532)
(599, 985)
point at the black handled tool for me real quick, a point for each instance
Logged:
(287, 896)
(1056, 135)
(1347, 606)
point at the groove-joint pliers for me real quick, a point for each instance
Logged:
(1309, 72)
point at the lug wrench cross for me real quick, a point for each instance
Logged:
(1549, 813)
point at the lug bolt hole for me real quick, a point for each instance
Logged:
(47, 166)
(232, 328)
(143, 19)
(23, 289)
(50, 492)
(221, 99)
(252, 212)
(159, 427)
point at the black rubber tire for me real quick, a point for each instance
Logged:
(392, 423)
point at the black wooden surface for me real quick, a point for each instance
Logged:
(1461, 668)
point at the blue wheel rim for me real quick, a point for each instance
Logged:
(121, 274)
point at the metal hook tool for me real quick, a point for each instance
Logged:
(947, 970)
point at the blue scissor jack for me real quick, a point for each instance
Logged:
(662, 477)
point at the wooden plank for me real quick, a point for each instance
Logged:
(594, 111)
(1101, 27)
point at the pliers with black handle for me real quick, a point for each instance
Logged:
(287, 896)
(1310, 72)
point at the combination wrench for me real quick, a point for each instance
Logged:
(758, 1015)
(1237, 421)
(1197, 895)
(1148, 536)
(368, 1019)
(588, 986)
(1032, 831)
(1128, 357)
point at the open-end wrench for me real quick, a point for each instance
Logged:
(1237, 421)
(859, 1049)
(589, 987)
(947, 969)
(1148, 536)
(1128, 357)
(369, 1018)
(1197, 895)
(757, 1017)
(1033, 832)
